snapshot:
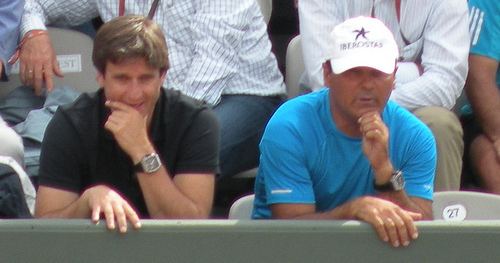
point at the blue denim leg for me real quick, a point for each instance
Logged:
(242, 119)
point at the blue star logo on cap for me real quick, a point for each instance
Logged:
(361, 32)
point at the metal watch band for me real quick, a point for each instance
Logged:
(148, 164)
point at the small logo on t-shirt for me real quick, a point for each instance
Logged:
(281, 191)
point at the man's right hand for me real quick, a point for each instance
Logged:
(102, 199)
(38, 63)
(392, 223)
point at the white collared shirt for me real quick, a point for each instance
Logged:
(215, 47)
(436, 29)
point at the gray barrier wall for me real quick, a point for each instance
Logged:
(243, 241)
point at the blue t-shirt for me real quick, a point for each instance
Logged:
(485, 29)
(306, 159)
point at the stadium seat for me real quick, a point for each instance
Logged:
(24, 180)
(251, 173)
(242, 208)
(294, 67)
(74, 53)
(464, 205)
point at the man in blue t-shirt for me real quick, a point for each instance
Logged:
(482, 128)
(345, 152)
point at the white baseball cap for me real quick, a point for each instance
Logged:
(362, 42)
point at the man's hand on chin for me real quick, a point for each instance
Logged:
(129, 128)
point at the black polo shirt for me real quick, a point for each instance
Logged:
(78, 152)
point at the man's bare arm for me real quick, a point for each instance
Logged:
(184, 196)
(392, 223)
(375, 136)
(484, 95)
(56, 203)
(414, 204)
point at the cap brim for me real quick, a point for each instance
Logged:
(381, 63)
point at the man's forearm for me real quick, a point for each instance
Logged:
(165, 200)
(345, 211)
(400, 197)
(484, 95)
(76, 209)
(404, 201)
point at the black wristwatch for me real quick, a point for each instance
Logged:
(396, 183)
(149, 164)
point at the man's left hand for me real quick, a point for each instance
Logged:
(375, 142)
(129, 129)
(392, 223)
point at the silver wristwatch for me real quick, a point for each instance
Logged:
(149, 164)
(396, 183)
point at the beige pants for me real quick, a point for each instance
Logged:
(448, 132)
(11, 144)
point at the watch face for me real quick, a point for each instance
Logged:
(398, 181)
(151, 163)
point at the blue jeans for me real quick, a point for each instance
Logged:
(243, 119)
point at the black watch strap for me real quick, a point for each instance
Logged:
(395, 183)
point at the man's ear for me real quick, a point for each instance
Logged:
(163, 75)
(394, 76)
(327, 69)
(100, 79)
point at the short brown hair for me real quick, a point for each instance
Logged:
(129, 37)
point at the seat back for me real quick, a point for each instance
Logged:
(464, 205)
(74, 54)
(242, 208)
(266, 7)
(10, 193)
(294, 67)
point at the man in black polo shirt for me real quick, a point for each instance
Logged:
(132, 149)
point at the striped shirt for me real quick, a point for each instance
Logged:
(216, 47)
(10, 13)
(437, 35)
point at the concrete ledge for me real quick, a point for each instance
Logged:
(243, 241)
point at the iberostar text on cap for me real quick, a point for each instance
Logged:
(362, 42)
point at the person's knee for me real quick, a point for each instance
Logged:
(480, 147)
(448, 133)
(443, 123)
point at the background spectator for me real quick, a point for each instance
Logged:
(482, 127)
